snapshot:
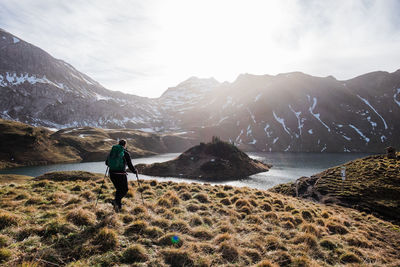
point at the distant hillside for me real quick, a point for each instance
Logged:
(52, 221)
(372, 184)
(213, 161)
(288, 112)
(22, 144)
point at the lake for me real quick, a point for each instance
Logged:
(287, 167)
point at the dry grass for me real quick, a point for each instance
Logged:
(184, 225)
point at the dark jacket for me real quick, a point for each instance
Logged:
(127, 161)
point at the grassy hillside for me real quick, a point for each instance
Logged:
(52, 220)
(372, 185)
(24, 145)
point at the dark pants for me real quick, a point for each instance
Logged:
(120, 181)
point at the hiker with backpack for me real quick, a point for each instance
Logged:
(117, 161)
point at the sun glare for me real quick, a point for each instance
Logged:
(223, 38)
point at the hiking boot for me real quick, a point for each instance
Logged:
(117, 208)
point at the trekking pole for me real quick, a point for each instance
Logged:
(102, 186)
(140, 187)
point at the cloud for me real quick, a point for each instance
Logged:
(143, 47)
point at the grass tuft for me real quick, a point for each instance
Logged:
(136, 227)
(202, 198)
(349, 257)
(8, 219)
(177, 257)
(335, 228)
(266, 263)
(81, 217)
(135, 253)
(106, 239)
(228, 251)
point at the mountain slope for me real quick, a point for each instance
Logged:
(287, 112)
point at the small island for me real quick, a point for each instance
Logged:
(217, 160)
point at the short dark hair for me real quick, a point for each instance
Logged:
(122, 142)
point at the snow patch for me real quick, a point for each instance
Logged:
(383, 138)
(252, 115)
(282, 122)
(15, 40)
(310, 131)
(287, 149)
(265, 130)
(229, 101)
(360, 133)
(257, 97)
(395, 97)
(150, 130)
(248, 130)
(299, 122)
(324, 148)
(275, 140)
(13, 79)
(101, 97)
(238, 137)
(346, 137)
(222, 119)
(317, 115)
(368, 104)
(373, 124)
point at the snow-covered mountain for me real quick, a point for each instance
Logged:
(286, 112)
(299, 112)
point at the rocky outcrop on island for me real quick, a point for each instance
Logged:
(217, 160)
(370, 184)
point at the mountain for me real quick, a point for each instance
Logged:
(41, 90)
(288, 112)
(299, 112)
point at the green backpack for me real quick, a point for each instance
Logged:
(116, 161)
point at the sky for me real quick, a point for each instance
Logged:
(144, 47)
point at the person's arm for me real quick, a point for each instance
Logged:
(129, 162)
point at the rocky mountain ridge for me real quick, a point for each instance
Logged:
(292, 112)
